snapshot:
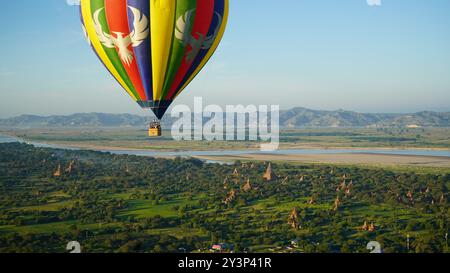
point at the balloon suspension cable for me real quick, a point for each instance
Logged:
(155, 122)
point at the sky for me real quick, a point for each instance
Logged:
(319, 54)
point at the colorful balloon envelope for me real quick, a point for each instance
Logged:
(154, 48)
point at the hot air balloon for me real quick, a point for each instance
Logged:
(154, 48)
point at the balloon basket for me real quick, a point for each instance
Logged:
(154, 129)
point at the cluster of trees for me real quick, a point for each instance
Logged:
(332, 203)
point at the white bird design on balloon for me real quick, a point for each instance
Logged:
(140, 32)
(183, 24)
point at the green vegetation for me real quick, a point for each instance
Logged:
(388, 137)
(121, 203)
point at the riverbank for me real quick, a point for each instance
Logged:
(132, 139)
(171, 146)
(381, 160)
(432, 158)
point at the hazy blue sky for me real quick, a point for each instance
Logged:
(321, 54)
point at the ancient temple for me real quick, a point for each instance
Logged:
(293, 219)
(409, 195)
(348, 191)
(442, 199)
(349, 188)
(230, 197)
(337, 203)
(341, 186)
(269, 175)
(367, 227)
(225, 183)
(247, 187)
(57, 173)
(71, 167)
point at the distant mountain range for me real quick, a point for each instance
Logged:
(302, 117)
(294, 118)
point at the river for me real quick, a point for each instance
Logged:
(411, 152)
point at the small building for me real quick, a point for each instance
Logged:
(222, 248)
(216, 247)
